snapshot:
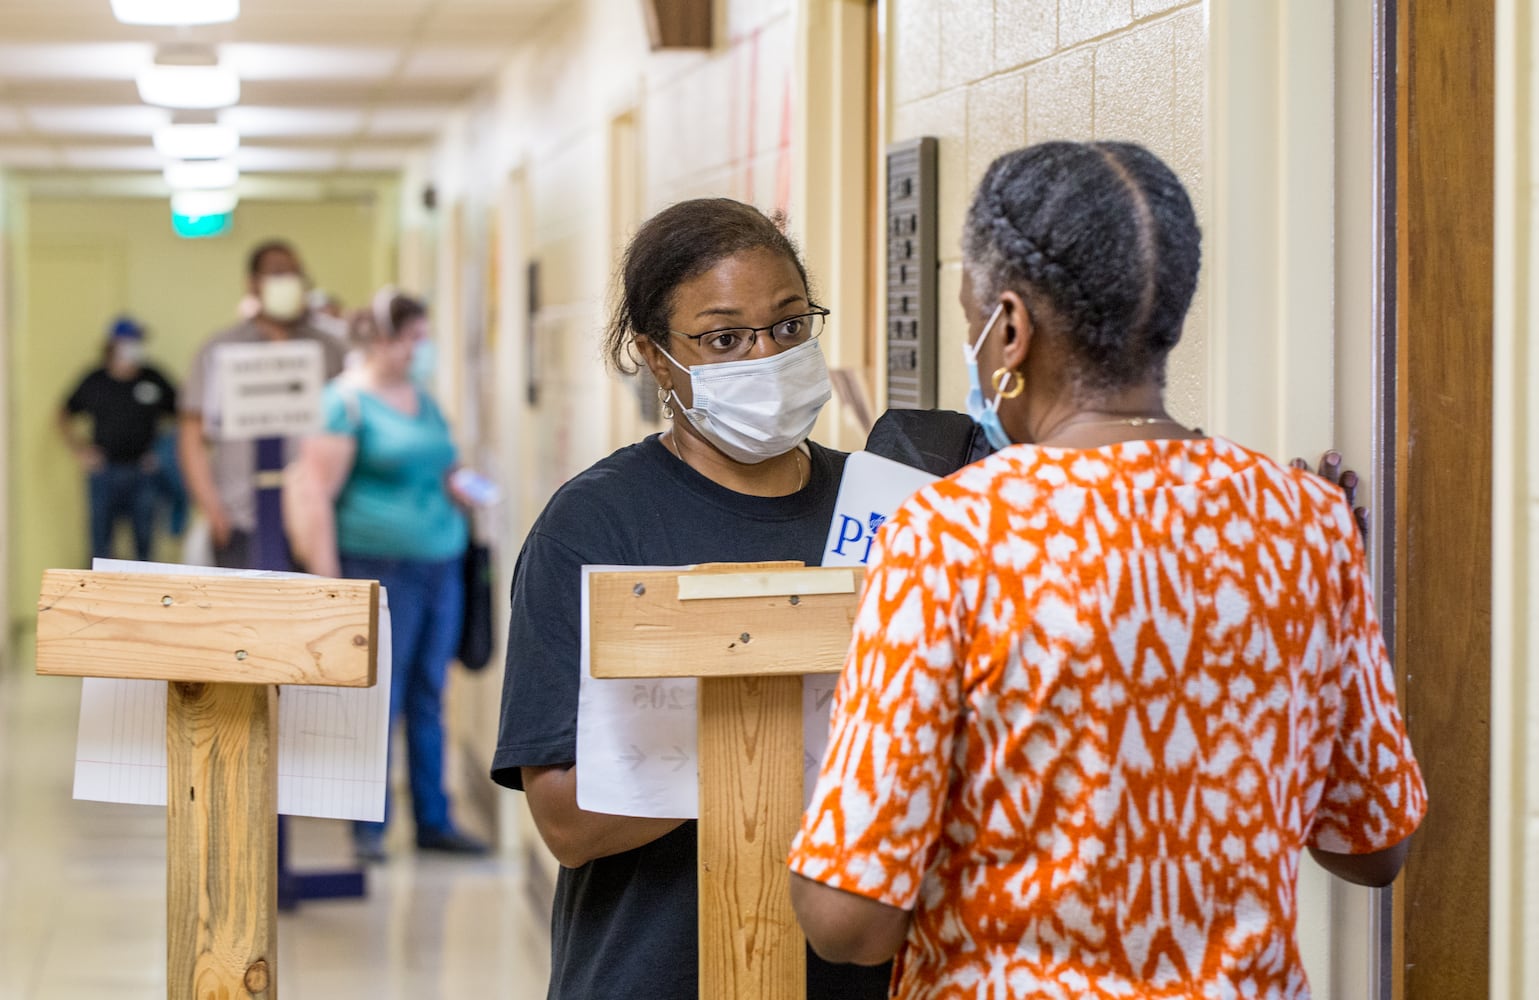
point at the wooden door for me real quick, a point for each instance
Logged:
(1445, 176)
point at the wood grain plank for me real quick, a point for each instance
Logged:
(750, 804)
(638, 628)
(1445, 313)
(209, 629)
(222, 841)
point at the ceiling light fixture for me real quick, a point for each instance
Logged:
(197, 204)
(188, 77)
(175, 12)
(200, 175)
(196, 142)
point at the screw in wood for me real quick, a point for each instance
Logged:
(639, 589)
(745, 638)
(240, 654)
(166, 600)
(795, 600)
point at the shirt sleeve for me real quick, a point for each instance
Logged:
(190, 400)
(340, 411)
(538, 725)
(167, 402)
(1373, 796)
(876, 812)
(77, 402)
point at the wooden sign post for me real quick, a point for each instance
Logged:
(748, 632)
(224, 643)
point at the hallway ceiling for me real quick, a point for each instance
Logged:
(326, 85)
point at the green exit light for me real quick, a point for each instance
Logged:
(196, 227)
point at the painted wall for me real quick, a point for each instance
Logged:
(1515, 530)
(985, 79)
(82, 262)
(585, 134)
(10, 220)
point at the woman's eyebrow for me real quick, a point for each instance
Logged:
(732, 311)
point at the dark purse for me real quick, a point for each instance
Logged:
(476, 638)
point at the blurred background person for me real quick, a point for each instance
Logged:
(126, 400)
(220, 476)
(376, 502)
(1109, 683)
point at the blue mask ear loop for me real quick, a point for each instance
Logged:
(985, 414)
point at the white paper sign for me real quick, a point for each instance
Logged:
(872, 490)
(332, 741)
(636, 739)
(268, 390)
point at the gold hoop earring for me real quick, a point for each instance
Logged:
(1003, 378)
(662, 402)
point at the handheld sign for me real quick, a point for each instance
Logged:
(873, 488)
(268, 390)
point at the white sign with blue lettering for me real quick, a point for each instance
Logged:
(873, 489)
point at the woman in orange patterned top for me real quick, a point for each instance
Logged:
(1107, 684)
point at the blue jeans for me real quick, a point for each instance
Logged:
(427, 610)
(118, 491)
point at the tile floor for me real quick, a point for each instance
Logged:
(82, 892)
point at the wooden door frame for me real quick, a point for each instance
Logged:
(1445, 165)
(831, 177)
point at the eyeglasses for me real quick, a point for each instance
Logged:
(735, 343)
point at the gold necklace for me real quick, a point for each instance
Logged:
(1128, 421)
(802, 477)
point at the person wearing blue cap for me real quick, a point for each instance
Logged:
(126, 401)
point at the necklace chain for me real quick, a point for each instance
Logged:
(803, 476)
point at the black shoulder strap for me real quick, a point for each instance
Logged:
(938, 441)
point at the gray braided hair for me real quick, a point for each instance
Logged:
(1104, 236)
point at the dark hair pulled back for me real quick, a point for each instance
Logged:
(682, 242)
(1102, 234)
(261, 250)
(384, 319)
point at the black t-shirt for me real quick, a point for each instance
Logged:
(124, 415)
(626, 925)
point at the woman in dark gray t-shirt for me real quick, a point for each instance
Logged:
(716, 305)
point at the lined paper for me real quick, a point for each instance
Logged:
(332, 741)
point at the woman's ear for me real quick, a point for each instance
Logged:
(1016, 330)
(658, 365)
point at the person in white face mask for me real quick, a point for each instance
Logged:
(715, 304)
(220, 475)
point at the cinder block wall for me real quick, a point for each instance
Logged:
(986, 77)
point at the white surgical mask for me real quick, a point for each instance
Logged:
(127, 352)
(283, 297)
(758, 408)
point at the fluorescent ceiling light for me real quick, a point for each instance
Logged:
(175, 12)
(197, 204)
(196, 142)
(198, 175)
(181, 86)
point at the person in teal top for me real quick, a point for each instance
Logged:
(382, 506)
(398, 477)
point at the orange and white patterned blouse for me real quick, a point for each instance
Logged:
(1097, 704)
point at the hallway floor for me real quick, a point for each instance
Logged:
(82, 892)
